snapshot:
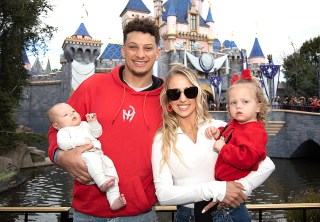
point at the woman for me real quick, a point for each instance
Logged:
(182, 157)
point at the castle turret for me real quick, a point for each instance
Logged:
(171, 26)
(48, 68)
(256, 56)
(81, 52)
(37, 67)
(210, 36)
(81, 47)
(134, 8)
(158, 11)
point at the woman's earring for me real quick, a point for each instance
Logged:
(169, 108)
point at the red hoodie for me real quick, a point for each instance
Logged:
(129, 120)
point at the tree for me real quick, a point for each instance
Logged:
(300, 68)
(20, 28)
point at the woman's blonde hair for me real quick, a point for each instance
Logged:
(170, 119)
(256, 86)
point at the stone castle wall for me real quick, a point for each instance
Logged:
(44, 91)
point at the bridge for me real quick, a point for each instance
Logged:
(292, 133)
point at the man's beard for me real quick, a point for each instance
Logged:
(140, 74)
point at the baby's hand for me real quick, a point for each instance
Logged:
(210, 132)
(91, 117)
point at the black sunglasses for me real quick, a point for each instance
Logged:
(190, 93)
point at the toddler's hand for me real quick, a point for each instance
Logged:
(91, 117)
(210, 132)
(218, 145)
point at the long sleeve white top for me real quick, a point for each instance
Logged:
(193, 180)
(73, 136)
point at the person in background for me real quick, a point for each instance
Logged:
(127, 103)
(72, 132)
(182, 157)
(241, 144)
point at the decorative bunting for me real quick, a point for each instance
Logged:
(215, 80)
(269, 71)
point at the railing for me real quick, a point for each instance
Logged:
(260, 207)
(64, 211)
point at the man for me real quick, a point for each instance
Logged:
(127, 103)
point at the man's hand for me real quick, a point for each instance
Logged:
(71, 161)
(234, 195)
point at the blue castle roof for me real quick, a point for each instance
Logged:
(209, 17)
(82, 31)
(180, 8)
(216, 45)
(135, 5)
(256, 50)
(112, 51)
(229, 44)
(172, 10)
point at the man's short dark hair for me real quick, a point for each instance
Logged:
(144, 25)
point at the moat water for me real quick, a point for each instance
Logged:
(51, 186)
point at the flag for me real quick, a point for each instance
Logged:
(269, 71)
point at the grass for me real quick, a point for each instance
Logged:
(6, 175)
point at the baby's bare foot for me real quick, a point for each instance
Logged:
(118, 203)
(106, 185)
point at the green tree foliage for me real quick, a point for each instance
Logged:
(307, 196)
(20, 28)
(301, 66)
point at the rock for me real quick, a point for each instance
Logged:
(20, 156)
(5, 163)
(36, 155)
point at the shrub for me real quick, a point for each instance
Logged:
(307, 196)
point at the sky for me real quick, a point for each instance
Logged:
(281, 26)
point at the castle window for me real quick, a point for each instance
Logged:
(191, 45)
(193, 22)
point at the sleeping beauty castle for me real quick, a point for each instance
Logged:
(186, 37)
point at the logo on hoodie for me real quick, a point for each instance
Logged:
(128, 114)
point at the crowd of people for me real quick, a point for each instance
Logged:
(301, 103)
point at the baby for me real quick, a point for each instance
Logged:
(73, 132)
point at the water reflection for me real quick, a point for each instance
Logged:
(48, 186)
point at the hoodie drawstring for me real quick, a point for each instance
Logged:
(123, 97)
(143, 109)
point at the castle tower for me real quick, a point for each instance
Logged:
(48, 68)
(134, 8)
(171, 26)
(37, 67)
(80, 51)
(210, 36)
(256, 56)
(158, 11)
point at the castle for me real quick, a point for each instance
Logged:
(186, 37)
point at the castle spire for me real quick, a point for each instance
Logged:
(209, 16)
(256, 51)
